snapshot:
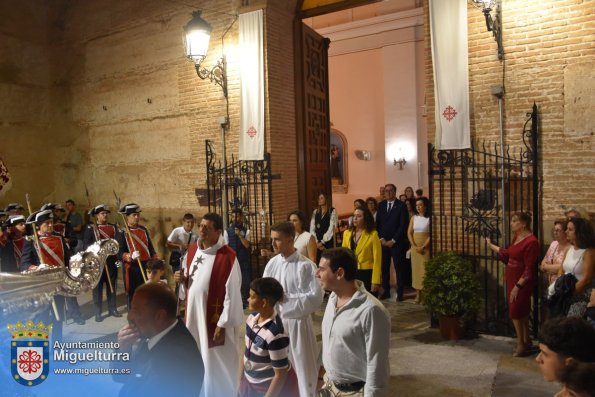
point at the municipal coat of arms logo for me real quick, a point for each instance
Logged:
(29, 352)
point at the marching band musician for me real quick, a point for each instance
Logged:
(54, 252)
(53, 247)
(135, 246)
(13, 242)
(98, 231)
(58, 211)
(14, 209)
(61, 228)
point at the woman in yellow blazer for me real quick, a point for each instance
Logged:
(362, 239)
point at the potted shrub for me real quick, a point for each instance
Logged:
(451, 292)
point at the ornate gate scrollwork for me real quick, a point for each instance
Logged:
(248, 187)
(473, 193)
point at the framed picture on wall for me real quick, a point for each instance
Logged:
(338, 156)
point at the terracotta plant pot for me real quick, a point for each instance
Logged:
(451, 328)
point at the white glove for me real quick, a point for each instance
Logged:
(135, 255)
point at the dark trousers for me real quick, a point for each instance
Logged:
(134, 278)
(408, 273)
(246, 268)
(365, 276)
(175, 261)
(72, 307)
(397, 254)
(48, 317)
(98, 290)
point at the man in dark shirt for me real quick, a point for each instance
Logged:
(74, 222)
(164, 360)
(238, 235)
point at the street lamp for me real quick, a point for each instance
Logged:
(197, 36)
(493, 24)
(196, 44)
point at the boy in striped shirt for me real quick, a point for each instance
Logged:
(266, 368)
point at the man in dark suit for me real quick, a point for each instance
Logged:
(166, 360)
(392, 220)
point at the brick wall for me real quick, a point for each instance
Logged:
(280, 106)
(146, 111)
(542, 41)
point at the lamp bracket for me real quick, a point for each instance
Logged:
(497, 29)
(400, 161)
(217, 74)
(493, 23)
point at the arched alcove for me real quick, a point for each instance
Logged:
(338, 155)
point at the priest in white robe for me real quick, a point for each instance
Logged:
(211, 280)
(303, 296)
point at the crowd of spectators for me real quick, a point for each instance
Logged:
(379, 233)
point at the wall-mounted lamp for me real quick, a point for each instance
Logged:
(400, 161)
(196, 42)
(364, 155)
(494, 24)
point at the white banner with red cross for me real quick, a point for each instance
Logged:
(448, 29)
(252, 86)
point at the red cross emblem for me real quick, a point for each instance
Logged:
(251, 132)
(29, 361)
(449, 113)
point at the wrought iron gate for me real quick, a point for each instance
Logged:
(473, 194)
(247, 186)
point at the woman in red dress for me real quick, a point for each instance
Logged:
(521, 260)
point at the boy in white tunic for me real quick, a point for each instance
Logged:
(212, 277)
(303, 296)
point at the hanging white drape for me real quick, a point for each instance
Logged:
(252, 86)
(448, 28)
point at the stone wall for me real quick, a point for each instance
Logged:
(32, 94)
(549, 50)
(101, 98)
